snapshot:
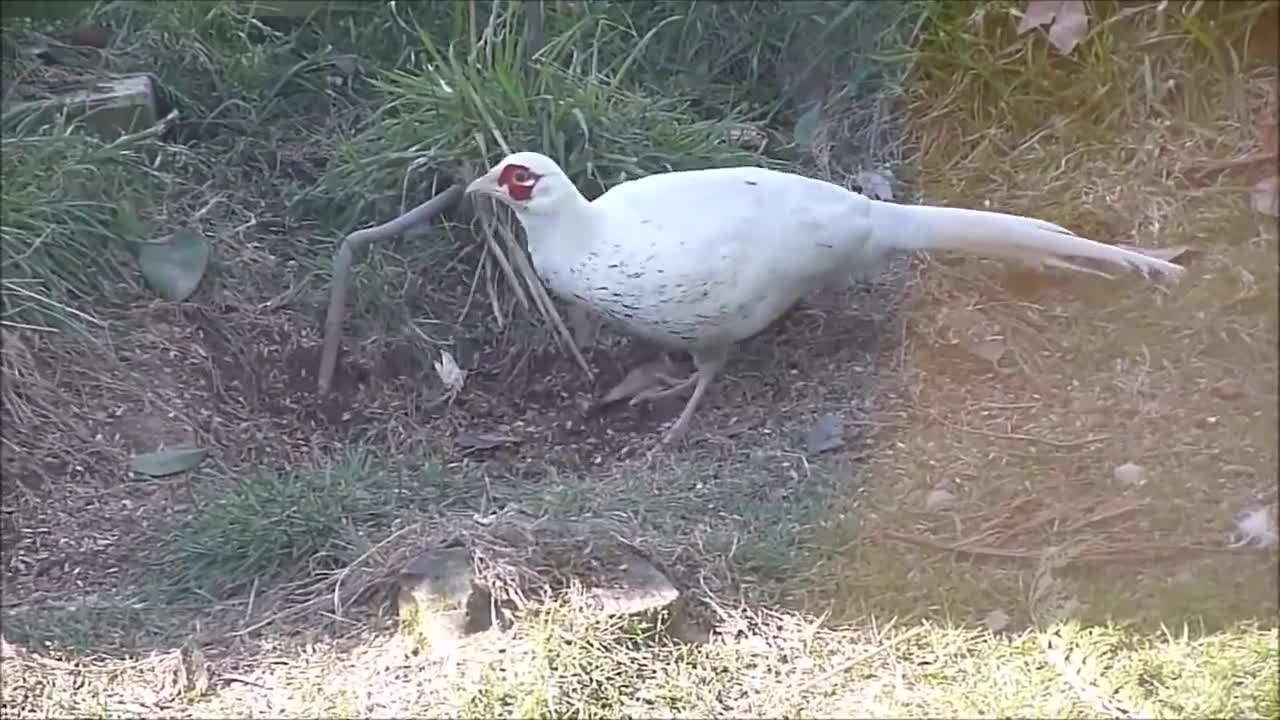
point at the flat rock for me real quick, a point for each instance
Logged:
(110, 107)
(438, 598)
(633, 586)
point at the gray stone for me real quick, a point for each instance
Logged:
(438, 598)
(635, 586)
(111, 107)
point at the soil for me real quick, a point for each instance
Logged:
(226, 370)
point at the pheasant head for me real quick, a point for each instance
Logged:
(529, 183)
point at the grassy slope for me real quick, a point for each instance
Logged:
(977, 95)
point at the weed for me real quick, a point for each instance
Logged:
(1098, 141)
(70, 204)
(273, 522)
(462, 110)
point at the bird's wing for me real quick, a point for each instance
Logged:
(722, 252)
(745, 218)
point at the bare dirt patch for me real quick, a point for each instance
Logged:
(234, 370)
(1024, 392)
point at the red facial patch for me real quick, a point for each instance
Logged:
(518, 180)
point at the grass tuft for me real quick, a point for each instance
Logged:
(462, 108)
(68, 210)
(273, 523)
(1043, 589)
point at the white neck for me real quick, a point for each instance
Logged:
(563, 232)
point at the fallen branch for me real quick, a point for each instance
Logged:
(357, 243)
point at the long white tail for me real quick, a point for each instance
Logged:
(997, 235)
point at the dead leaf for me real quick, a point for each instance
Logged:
(996, 620)
(470, 442)
(452, 376)
(938, 499)
(1130, 475)
(826, 434)
(875, 185)
(1068, 22)
(1265, 197)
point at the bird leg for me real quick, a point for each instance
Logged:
(641, 382)
(659, 377)
(674, 386)
(585, 326)
(709, 363)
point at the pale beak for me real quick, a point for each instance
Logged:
(486, 184)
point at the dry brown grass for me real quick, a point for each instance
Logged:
(1093, 374)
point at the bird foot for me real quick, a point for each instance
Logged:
(669, 439)
(644, 382)
(675, 433)
(674, 386)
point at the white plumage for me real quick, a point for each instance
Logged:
(703, 259)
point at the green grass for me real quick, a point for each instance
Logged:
(568, 668)
(621, 89)
(646, 97)
(271, 524)
(68, 211)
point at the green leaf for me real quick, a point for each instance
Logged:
(169, 461)
(807, 127)
(174, 267)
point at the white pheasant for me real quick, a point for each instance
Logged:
(703, 259)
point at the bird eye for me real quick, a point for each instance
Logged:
(521, 177)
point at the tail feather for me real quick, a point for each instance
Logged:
(998, 235)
